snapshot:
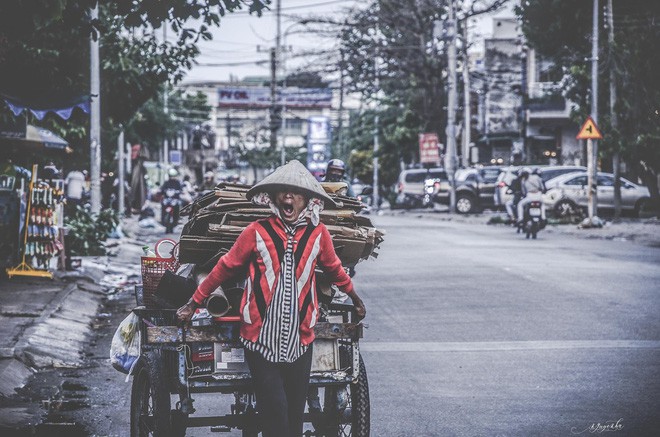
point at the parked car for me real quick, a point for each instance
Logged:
(569, 194)
(410, 185)
(509, 174)
(475, 188)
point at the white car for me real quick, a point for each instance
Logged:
(568, 193)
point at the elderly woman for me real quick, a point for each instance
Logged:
(279, 307)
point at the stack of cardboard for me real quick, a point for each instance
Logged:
(218, 218)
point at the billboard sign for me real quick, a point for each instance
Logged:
(318, 145)
(259, 97)
(429, 150)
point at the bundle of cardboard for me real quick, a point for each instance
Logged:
(218, 218)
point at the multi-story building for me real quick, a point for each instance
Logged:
(522, 116)
(241, 115)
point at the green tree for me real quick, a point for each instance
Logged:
(562, 34)
(44, 53)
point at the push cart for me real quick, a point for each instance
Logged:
(177, 363)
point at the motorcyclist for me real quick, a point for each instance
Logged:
(209, 181)
(336, 172)
(515, 188)
(532, 189)
(173, 182)
(187, 191)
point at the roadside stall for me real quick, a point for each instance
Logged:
(31, 203)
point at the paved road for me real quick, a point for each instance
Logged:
(475, 331)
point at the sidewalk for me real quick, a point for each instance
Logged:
(644, 231)
(48, 323)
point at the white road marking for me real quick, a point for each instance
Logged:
(480, 346)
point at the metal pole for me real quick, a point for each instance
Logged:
(120, 171)
(95, 120)
(166, 141)
(282, 93)
(376, 194)
(450, 158)
(466, 100)
(614, 119)
(592, 151)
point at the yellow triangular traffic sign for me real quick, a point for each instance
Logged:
(589, 131)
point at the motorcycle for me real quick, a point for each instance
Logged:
(431, 187)
(170, 207)
(533, 220)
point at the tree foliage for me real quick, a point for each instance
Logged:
(563, 35)
(44, 52)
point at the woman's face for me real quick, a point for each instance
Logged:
(290, 205)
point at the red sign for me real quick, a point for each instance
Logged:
(429, 152)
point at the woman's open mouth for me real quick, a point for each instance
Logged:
(287, 209)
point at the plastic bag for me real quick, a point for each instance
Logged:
(125, 347)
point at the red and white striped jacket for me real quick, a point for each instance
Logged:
(261, 247)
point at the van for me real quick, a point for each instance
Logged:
(410, 185)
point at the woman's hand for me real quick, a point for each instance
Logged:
(185, 313)
(360, 309)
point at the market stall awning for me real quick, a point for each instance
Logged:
(37, 139)
(40, 105)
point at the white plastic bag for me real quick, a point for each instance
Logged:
(125, 347)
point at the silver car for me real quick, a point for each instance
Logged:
(509, 174)
(568, 193)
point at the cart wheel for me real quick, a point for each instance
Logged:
(360, 404)
(150, 399)
(346, 409)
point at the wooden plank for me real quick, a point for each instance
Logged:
(172, 334)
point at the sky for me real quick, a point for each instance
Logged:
(240, 45)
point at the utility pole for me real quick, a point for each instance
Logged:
(614, 120)
(592, 145)
(273, 97)
(450, 157)
(95, 119)
(467, 129)
(120, 171)
(166, 141)
(376, 195)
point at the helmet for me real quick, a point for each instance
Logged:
(172, 173)
(524, 171)
(337, 163)
(335, 170)
(208, 175)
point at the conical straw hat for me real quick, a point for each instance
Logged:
(291, 175)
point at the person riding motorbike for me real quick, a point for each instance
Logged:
(336, 172)
(515, 188)
(209, 181)
(532, 189)
(173, 182)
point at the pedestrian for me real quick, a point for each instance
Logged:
(75, 187)
(279, 307)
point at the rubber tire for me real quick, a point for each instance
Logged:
(566, 208)
(149, 385)
(640, 206)
(465, 204)
(361, 405)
